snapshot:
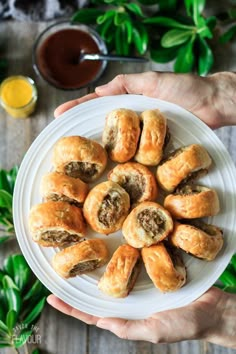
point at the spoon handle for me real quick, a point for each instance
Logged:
(110, 57)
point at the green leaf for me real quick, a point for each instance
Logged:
(163, 55)
(4, 344)
(4, 239)
(166, 22)
(3, 327)
(22, 271)
(87, 16)
(22, 339)
(185, 58)
(129, 30)
(211, 22)
(228, 278)
(33, 315)
(228, 35)
(135, 8)
(8, 266)
(37, 289)
(12, 174)
(4, 183)
(36, 351)
(120, 18)
(167, 5)
(8, 283)
(140, 38)
(206, 58)
(11, 320)
(5, 199)
(175, 37)
(230, 289)
(104, 17)
(13, 299)
(232, 13)
(106, 30)
(198, 6)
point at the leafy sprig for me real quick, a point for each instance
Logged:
(186, 39)
(120, 25)
(7, 183)
(228, 277)
(22, 299)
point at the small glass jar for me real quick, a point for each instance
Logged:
(18, 96)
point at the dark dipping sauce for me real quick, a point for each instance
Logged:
(58, 59)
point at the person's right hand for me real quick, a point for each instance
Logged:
(211, 98)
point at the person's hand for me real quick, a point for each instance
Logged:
(211, 317)
(211, 98)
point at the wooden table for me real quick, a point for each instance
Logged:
(61, 334)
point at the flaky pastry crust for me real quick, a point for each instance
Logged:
(56, 224)
(80, 258)
(152, 139)
(165, 268)
(121, 272)
(121, 134)
(147, 224)
(181, 164)
(138, 181)
(106, 207)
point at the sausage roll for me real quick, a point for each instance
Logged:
(203, 241)
(137, 180)
(59, 187)
(106, 207)
(79, 157)
(147, 224)
(121, 272)
(164, 266)
(182, 165)
(56, 224)
(80, 258)
(192, 202)
(121, 134)
(152, 139)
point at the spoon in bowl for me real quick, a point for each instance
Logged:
(110, 57)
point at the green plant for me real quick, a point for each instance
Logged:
(7, 183)
(228, 277)
(186, 39)
(120, 25)
(230, 33)
(22, 299)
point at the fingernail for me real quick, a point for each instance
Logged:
(49, 299)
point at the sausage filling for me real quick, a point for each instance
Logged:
(83, 170)
(171, 155)
(111, 139)
(134, 186)
(111, 209)
(193, 176)
(188, 190)
(83, 267)
(59, 237)
(134, 274)
(152, 222)
(211, 230)
(167, 137)
(63, 198)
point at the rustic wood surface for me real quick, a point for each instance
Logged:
(61, 334)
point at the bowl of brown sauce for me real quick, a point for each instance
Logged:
(57, 51)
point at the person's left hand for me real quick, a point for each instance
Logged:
(202, 319)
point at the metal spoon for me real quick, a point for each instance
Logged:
(110, 57)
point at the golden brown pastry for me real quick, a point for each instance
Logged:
(106, 207)
(79, 157)
(56, 224)
(165, 267)
(203, 241)
(60, 187)
(121, 272)
(147, 224)
(192, 202)
(182, 165)
(137, 180)
(152, 139)
(80, 258)
(121, 134)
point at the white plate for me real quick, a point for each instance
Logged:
(81, 292)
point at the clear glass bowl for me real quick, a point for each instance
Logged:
(56, 55)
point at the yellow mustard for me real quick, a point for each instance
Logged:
(18, 95)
